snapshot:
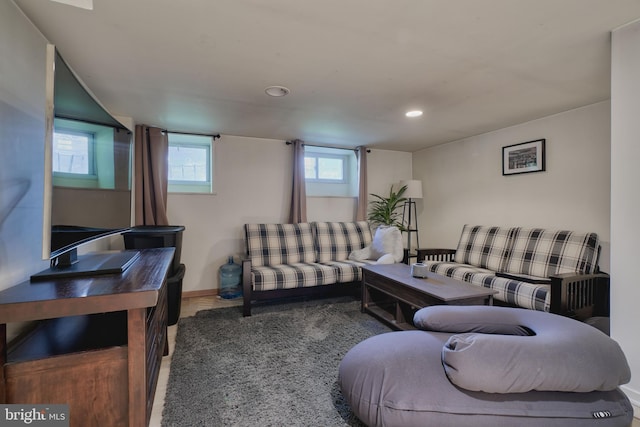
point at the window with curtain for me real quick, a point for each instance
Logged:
(330, 172)
(190, 163)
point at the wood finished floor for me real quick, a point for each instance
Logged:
(191, 306)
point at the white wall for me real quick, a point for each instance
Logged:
(22, 130)
(625, 198)
(253, 184)
(463, 181)
(384, 168)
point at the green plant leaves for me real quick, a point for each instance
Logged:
(384, 210)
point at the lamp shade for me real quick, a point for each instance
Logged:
(414, 188)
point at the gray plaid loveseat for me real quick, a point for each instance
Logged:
(539, 269)
(306, 258)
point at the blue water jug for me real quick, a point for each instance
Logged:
(230, 280)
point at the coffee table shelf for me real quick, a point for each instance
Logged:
(392, 295)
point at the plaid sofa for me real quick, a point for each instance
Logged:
(522, 265)
(294, 257)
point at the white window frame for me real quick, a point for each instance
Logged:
(78, 180)
(347, 187)
(317, 157)
(91, 166)
(193, 141)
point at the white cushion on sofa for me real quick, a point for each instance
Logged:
(361, 254)
(387, 240)
(386, 247)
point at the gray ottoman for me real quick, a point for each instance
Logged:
(401, 378)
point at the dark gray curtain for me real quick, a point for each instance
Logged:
(151, 179)
(361, 208)
(298, 212)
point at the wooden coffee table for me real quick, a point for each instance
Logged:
(391, 294)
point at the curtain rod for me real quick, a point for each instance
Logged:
(328, 146)
(216, 136)
(91, 122)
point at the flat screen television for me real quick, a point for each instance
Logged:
(87, 178)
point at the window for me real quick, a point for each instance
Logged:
(88, 155)
(73, 152)
(329, 168)
(330, 172)
(190, 163)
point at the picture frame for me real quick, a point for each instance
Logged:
(524, 157)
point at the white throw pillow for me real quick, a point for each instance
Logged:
(387, 240)
(386, 259)
(360, 254)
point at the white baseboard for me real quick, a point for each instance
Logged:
(634, 397)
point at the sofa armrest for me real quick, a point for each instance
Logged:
(436, 255)
(580, 295)
(247, 287)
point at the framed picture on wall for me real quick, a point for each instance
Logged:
(523, 158)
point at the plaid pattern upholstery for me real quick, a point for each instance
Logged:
(522, 294)
(349, 271)
(336, 240)
(484, 247)
(285, 256)
(542, 253)
(296, 275)
(463, 272)
(484, 253)
(276, 244)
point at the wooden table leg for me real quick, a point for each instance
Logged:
(136, 326)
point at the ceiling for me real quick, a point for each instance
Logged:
(353, 67)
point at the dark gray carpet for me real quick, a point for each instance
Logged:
(278, 367)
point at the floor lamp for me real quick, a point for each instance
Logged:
(409, 215)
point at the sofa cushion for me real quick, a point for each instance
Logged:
(534, 296)
(522, 294)
(562, 355)
(525, 278)
(289, 276)
(336, 240)
(275, 244)
(482, 246)
(542, 253)
(348, 271)
(462, 272)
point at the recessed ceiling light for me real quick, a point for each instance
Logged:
(414, 113)
(277, 91)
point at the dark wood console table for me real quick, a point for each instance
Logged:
(98, 344)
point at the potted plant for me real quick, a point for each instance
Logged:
(383, 210)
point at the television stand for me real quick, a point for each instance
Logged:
(91, 264)
(97, 345)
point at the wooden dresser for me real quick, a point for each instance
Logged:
(97, 346)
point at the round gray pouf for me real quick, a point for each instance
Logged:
(397, 379)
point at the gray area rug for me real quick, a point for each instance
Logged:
(278, 367)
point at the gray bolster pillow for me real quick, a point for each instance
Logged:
(476, 318)
(563, 355)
